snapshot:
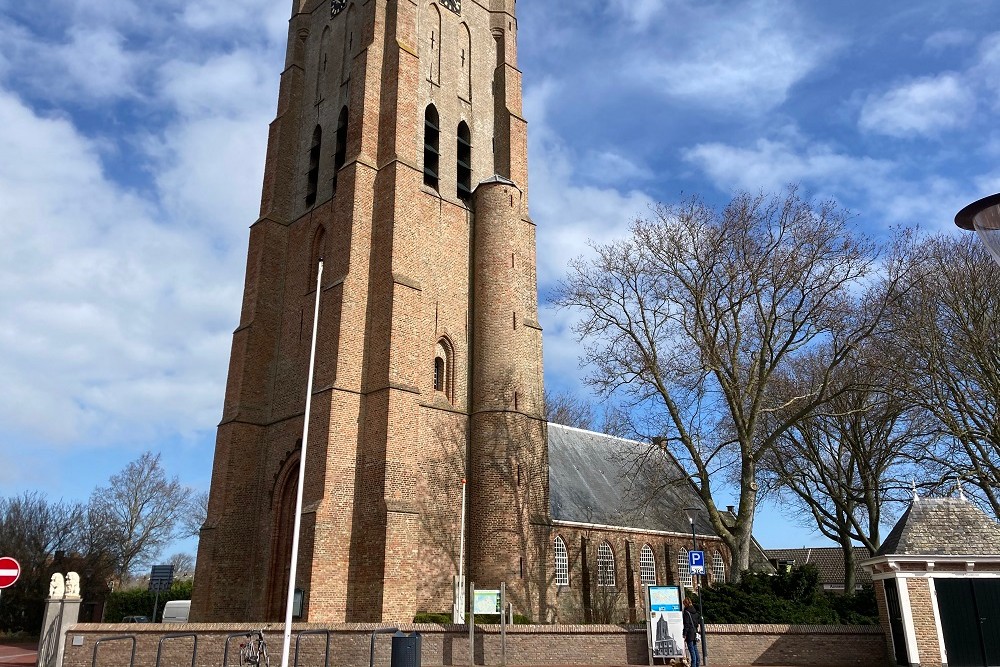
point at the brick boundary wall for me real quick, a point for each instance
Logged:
(786, 645)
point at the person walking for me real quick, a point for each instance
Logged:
(691, 623)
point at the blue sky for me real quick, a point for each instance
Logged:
(132, 139)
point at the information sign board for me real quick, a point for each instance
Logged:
(486, 602)
(666, 623)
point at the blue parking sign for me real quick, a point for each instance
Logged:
(696, 561)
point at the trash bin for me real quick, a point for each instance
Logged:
(405, 650)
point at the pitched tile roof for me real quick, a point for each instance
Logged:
(600, 479)
(829, 561)
(942, 527)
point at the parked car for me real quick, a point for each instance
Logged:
(136, 619)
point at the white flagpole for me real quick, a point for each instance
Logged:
(287, 642)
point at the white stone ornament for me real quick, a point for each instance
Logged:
(72, 585)
(57, 588)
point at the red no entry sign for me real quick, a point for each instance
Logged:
(10, 570)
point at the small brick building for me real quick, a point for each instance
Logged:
(398, 156)
(937, 581)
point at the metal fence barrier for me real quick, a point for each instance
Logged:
(97, 644)
(179, 635)
(298, 638)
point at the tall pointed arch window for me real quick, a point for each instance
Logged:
(432, 140)
(683, 569)
(647, 566)
(281, 541)
(340, 151)
(312, 175)
(464, 162)
(605, 565)
(561, 561)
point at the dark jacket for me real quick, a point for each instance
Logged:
(690, 624)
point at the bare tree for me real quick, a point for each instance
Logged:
(946, 347)
(137, 514)
(841, 464)
(183, 565)
(691, 317)
(569, 410)
(195, 515)
(32, 530)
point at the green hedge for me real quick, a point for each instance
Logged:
(139, 602)
(486, 619)
(788, 597)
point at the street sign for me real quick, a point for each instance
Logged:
(161, 578)
(696, 560)
(10, 570)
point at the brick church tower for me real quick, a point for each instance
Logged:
(398, 154)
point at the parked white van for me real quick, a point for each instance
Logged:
(176, 611)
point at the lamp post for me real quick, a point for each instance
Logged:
(701, 608)
(983, 216)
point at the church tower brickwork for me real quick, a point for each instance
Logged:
(398, 154)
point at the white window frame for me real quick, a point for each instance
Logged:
(605, 566)
(718, 568)
(561, 561)
(684, 570)
(647, 566)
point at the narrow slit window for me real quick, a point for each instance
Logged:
(340, 152)
(464, 162)
(438, 374)
(312, 176)
(444, 368)
(432, 140)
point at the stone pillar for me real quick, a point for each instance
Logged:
(62, 610)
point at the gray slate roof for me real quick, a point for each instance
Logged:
(942, 527)
(829, 561)
(600, 479)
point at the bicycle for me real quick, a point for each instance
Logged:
(253, 652)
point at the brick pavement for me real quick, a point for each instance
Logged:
(18, 655)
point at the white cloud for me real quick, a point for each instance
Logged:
(568, 212)
(639, 13)
(95, 64)
(921, 107)
(943, 40)
(880, 189)
(103, 310)
(741, 59)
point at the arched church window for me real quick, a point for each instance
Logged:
(683, 569)
(718, 568)
(464, 162)
(605, 565)
(561, 561)
(432, 139)
(647, 566)
(312, 176)
(340, 152)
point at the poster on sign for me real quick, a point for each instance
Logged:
(666, 624)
